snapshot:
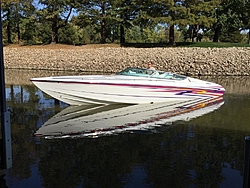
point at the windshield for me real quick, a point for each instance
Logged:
(136, 72)
(151, 73)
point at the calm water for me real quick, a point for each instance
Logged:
(207, 151)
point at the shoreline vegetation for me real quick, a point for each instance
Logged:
(224, 59)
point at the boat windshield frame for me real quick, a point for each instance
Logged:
(150, 73)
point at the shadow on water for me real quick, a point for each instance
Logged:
(149, 151)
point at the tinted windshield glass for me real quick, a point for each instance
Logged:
(151, 73)
(136, 72)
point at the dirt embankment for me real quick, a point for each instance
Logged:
(188, 61)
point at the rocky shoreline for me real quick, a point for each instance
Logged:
(187, 61)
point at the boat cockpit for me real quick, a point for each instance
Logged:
(149, 73)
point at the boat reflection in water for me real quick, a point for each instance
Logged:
(99, 120)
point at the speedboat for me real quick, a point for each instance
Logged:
(130, 86)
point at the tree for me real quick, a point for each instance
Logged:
(14, 14)
(9, 11)
(228, 17)
(98, 14)
(170, 13)
(200, 15)
(122, 16)
(28, 23)
(57, 13)
(245, 16)
(71, 34)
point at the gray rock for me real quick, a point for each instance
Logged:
(192, 61)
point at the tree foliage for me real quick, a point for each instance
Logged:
(108, 21)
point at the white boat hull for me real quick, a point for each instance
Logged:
(103, 89)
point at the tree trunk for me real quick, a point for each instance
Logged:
(192, 35)
(54, 36)
(9, 28)
(103, 24)
(171, 36)
(103, 32)
(248, 36)
(18, 33)
(122, 34)
(196, 32)
(9, 33)
(217, 33)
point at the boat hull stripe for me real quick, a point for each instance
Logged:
(217, 89)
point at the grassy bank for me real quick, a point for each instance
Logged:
(187, 44)
(137, 45)
(211, 44)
